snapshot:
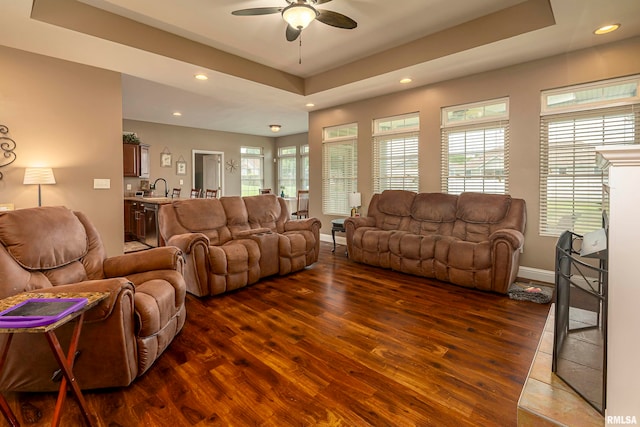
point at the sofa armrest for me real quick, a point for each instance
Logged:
(163, 258)
(359, 221)
(186, 242)
(114, 287)
(512, 237)
(302, 224)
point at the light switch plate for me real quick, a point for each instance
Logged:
(182, 182)
(128, 186)
(101, 184)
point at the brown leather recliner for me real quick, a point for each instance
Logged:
(234, 241)
(53, 250)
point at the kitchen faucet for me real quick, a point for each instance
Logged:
(166, 188)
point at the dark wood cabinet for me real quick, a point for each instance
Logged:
(135, 160)
(131, 160)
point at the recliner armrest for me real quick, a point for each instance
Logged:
(163, 258)
(114, 287)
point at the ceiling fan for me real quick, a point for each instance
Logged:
(299, 14)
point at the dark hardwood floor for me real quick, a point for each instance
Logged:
(338, 344)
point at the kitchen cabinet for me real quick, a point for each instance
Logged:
(141, 221)
(135, 160)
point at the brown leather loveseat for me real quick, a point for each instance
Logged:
(56, 250)
(234, 241)
(472, 240)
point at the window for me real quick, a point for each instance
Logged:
(251, 170)
(304, 167)
(287, 165)
(575, 120)
(339, 168)
(395, 153)
(475, 147)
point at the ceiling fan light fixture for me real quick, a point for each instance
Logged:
(299, 15)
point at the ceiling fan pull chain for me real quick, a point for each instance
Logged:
(300, 50)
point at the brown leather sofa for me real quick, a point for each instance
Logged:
(55, 250)
(235, 241)
(472, 240)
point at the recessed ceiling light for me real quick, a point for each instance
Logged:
(606, 29)
(201, 76)
(177, 113)
(406, 80)
(310, 104)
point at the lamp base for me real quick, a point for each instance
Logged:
(354, 211)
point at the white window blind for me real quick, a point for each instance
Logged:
(287, 165)
(571, 184)
(339, 168)
(475, 148)
(304, 167)
(395, 153)
(251, 170)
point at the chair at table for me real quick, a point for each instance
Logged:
(196, 193)
(302, 209)
(211, 194)
(265, 191)
(175, 194)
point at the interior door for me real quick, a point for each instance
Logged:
(211, 171)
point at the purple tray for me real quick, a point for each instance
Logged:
(39, 312)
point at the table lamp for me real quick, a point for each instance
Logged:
(355, 201)
(39, 176)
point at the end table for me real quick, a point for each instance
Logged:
(65, 363)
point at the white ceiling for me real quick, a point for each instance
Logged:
(155, 86)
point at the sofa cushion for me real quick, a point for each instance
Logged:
(483, 208)
(29, 237)
(200, 214)
(263, 211)
(396, 202)
(434, 207)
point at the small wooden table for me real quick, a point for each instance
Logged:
(336, 225)
(65, 363)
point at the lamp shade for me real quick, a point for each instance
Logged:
(39, 176)
(299, 16)
(355, 200)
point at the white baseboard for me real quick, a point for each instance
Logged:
(537, 274)
(340, 240)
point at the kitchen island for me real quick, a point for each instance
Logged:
(141, 219)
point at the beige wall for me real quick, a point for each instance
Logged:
(68, 117)
(180, 141)
(521, 83)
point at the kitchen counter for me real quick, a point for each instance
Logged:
(152, 200)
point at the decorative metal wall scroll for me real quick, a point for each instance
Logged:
(7, 145)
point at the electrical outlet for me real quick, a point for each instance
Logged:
(182, 182)
(128, 186)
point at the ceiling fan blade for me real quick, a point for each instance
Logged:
(336, 19)
(322, 1)
(257, 11)
(292, 33)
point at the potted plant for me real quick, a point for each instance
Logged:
(130, 138)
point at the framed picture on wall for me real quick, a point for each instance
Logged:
(181, 167)
(165, 160)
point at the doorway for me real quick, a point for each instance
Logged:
(208, 170)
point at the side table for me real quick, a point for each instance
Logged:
(336, 225)
(65, 363)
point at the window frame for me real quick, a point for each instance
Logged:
(396, 141)
(479, 123)
(251, 153)
(335, 189)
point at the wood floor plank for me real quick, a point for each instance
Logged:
(338, 344)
